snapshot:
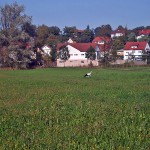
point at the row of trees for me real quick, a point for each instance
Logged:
(19, 38)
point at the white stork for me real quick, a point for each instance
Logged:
(88, 74)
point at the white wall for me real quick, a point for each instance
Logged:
(77, 58)
(46, 50)
(136, 53)
(76, 54)
(147, 47)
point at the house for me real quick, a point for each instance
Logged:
(143, 33)
(77, 54)
(120, 53)
(101, 40)
(135, 50)
(70, 41)
(118, 33)
(46, 50)
(78, 32)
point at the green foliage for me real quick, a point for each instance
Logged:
(12, 17)
(69, 31)
(86, 36)
(53, 54)
(64, 53)
(13, 39)
(114, 55)
(42, 35)
(118, 44)
(132, 37)
(59, 109)
(29, 28)
(104, 30)
(54, 30)
(90, 53)
(120, 27)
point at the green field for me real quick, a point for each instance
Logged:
(57, 108)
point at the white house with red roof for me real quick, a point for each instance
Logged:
(46, 50)
(118, 33)
(70, 41)
(77, 55)
(142, 33)
(135, 50)
(101, 40)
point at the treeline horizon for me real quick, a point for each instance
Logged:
(19, 38)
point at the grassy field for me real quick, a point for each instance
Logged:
(57, 108)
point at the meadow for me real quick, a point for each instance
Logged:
(57, 108)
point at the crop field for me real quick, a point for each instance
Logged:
(59, 109)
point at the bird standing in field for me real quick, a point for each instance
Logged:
(88, 74)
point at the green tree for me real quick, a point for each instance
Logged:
(90, 53)
(64, 53)
(104, 30)
(69, 31)
(54, 30)
(13, 17)
(14, 39)
(53, 55)
(120, 27)
(42, 35)
(117, 44)
(114, 55)
(86, 36)
(132, 37)
(29, 28)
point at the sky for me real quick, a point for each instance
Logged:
(80, 13)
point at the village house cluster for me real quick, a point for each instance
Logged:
(102, 45)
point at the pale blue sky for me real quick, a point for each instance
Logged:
(80, 13)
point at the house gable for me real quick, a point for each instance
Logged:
(46, 49)
(135, 49)
(101, 40)
(144, 32)
(117, 33)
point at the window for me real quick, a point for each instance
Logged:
(139, 51)
(82, 61)
(82, 54)
(75, 54)
(133, 46)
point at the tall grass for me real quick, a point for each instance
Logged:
(60, 109)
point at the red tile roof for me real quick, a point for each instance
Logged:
(80, 46)
(59, 45)
(118, 31)
(83, 46)
(101, 38)
(138, 46)
(145, 32)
